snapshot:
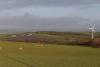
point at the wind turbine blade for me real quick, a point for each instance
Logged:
(94, 26)
(89, 28)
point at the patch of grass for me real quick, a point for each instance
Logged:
(48, 56)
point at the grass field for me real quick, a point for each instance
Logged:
(48, 56)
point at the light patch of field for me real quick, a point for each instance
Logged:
(47, 56)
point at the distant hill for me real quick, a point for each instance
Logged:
(51, 37)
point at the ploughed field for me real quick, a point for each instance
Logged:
(46, 55)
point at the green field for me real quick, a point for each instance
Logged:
(47, 56)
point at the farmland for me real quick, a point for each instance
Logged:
(47, 37)
(52, 37)
(50, 55)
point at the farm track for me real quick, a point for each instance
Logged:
(17, 60)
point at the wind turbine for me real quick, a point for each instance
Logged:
(92, 31)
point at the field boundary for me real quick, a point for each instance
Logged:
(16, 60)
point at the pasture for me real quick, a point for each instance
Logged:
(47, 56)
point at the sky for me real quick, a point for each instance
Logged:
(53, 15)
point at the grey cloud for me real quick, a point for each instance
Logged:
(89, 6)
(7, 4)
(53, 2)
(57, 24)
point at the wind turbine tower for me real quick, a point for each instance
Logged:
(92, 31)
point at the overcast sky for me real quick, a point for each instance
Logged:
(63, 15)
